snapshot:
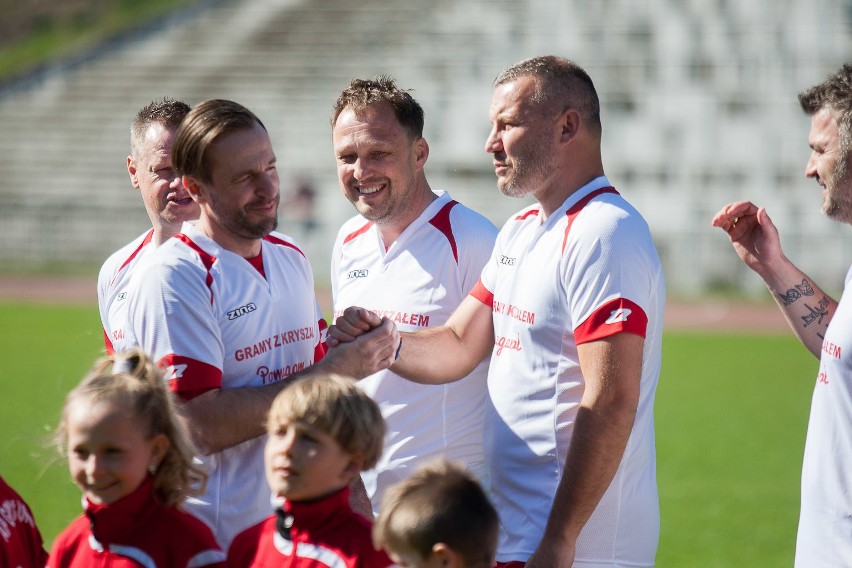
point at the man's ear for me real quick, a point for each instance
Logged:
(132, 172)
(193, 187)
(569, 122)
(421, 152)
(446, 556)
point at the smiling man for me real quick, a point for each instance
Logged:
(568, 310)
(227, 309)
(166, 201)
(823, 325)
(411, 254)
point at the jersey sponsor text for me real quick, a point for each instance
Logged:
(523, 316)
(416, 320)
(831, 349)
(277, 340)
(268, 375)
(507, 343)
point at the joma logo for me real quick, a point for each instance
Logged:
(241, 311)
(359, 273)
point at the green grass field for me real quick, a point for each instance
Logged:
(731, 417)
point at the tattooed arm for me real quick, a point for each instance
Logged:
(804, 305)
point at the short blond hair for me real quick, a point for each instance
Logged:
(131, 379)
(440, 503)
(336, 406)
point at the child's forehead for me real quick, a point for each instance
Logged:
(287, 421)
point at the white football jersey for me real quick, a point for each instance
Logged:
(113, 279)
(825, 521)
(213, 321)
(418, 282)
(589, 271)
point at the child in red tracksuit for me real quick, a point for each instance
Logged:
(129, 454)
(323, 431)
(21, 545)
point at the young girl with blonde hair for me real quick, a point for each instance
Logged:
(130, 455)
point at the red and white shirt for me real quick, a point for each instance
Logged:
(825, 521)
(211, 320)
(113, 279)
(418, 282)
(588, 271)
(322, 533)
(21, 545)
(137, 530)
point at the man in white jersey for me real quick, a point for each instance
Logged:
(412, 254)
(227, 309)
(823, 325)
(166, 201)
(570, 309)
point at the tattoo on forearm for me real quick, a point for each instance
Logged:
(796, 292)
(816, 314)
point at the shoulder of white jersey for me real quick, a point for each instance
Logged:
(468, 218)
(118, 259)
(529, 212)
(610, 211)
(351, 228)
(280, 239)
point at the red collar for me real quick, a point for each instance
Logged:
(110, 522)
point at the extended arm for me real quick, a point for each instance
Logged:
(221, 418)
(807, 309)
(435, 355)
(612, 370)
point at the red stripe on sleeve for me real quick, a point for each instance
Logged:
(185, 376)
(616, 316)
(481, 293)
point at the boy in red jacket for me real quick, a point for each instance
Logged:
(323, 431)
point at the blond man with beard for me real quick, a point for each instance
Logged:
(825, 522)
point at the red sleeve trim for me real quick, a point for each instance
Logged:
(441, 221)
(616, 316)
(483, 294)
(185, 376)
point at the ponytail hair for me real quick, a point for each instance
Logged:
(131, 379)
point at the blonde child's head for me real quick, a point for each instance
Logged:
(323, 431)
(439, 516)
(120, 425)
